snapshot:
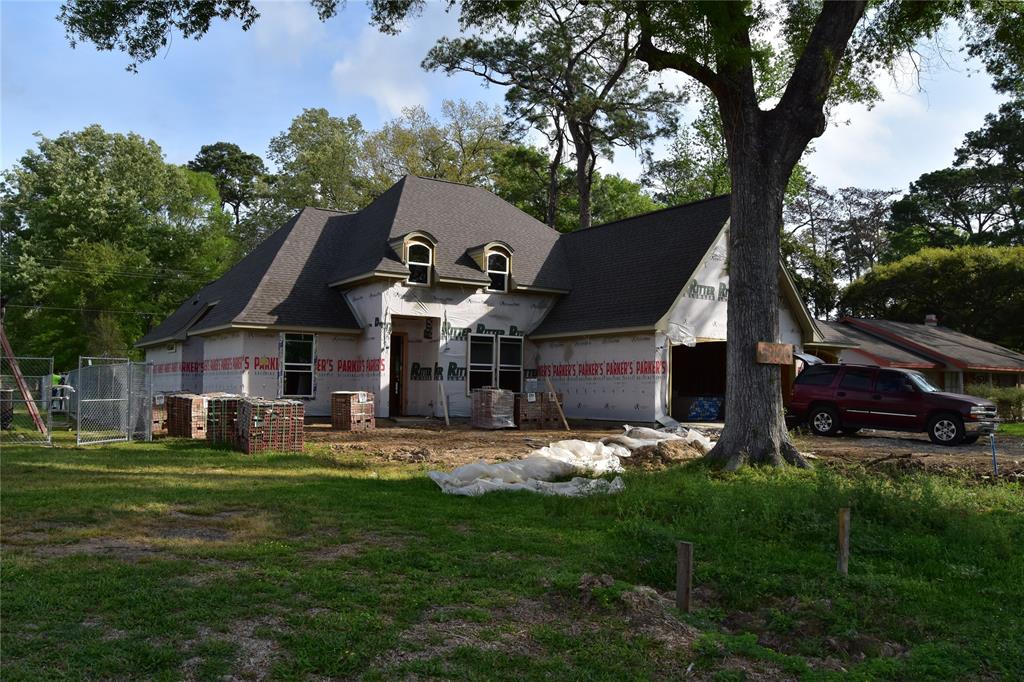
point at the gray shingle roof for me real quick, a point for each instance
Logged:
(621, 274)
(943, 344)
(283, 281)
(460, 217)
(628, 273)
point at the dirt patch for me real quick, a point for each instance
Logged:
(444, 629)
(123, 549)
(108, 633)
(255, 651)
(661, 455)
(441, 446)
(885, 451)
(362, 544)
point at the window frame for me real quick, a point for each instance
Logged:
(479, 365)
(429, 265)
(298, 367)
(507, 272)
(500, 367)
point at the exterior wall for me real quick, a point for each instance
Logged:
(192, 364)
(621, 378)
(166, 361)
(455, 313)
(224, 363)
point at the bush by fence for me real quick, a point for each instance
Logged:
(1009, 401)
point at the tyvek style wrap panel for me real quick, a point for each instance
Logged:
(224, 363)
(701, 307)
(606, 377)
(166, 361)
(454, 312)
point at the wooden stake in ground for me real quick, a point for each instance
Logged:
(684, 575)
(444, 403)
(843, 561)
(558, 403)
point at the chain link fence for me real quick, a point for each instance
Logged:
(111, 400)
(17, 424)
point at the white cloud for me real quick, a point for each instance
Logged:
(288, 29)
(387, 69)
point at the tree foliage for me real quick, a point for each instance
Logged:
(318, 161)
(570, 72)
(101, 237)
(460, 147)
(978, 200)
(975, 289)
(239, 175)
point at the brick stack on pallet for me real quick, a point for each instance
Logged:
(221, 419)
(265, 425)
(186, 416)
(159, 417)
(493, 408)
(352, 410)
(539, 413)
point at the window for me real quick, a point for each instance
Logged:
(497, 270)
(496, 361)
(481, 361)
(857, 379)
(510, 363)
(817, 375)
(419, 258)
(298, 366)
(893, 382)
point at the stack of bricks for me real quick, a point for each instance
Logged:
(352, 410)
(221, 419)
(270, 425)
(539, 413)
(493, 408)
(159, 416)
(186, 416)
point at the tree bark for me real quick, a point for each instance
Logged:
(755, 426)
(553, 168)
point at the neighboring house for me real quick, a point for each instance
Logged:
(440, 285)
(948, 358)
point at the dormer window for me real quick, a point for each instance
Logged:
(497, 270)
(420, 260)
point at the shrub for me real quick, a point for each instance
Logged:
(1009, 401)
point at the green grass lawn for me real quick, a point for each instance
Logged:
(171, 560)
(1015, 429)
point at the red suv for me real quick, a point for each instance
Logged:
(834, 398)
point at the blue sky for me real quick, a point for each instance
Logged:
(245, 87)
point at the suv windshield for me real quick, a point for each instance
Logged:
(921, 382)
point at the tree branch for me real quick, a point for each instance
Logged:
(658, 59)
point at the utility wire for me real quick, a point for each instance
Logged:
(82, 310)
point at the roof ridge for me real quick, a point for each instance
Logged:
(648, 213)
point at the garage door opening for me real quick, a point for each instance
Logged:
(697, 379)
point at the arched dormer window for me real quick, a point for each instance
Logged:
(419, 257)
(498, 270)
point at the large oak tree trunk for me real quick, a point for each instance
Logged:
(755, 428)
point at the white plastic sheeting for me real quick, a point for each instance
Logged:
(542, 469)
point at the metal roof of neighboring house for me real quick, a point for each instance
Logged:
(621, 274)
(879, 351)
(941, 344)
(628, 273)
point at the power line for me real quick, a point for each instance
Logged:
(64, 262)
(82, 310)
(116, 273)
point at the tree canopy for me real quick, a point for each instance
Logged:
(976, 289)
(102, 237)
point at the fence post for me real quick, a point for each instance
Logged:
(78, 405)
(843, 562)
(684, 575)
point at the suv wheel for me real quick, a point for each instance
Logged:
(824, 421)
(946, 429)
